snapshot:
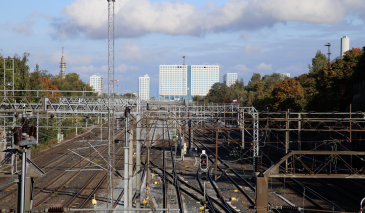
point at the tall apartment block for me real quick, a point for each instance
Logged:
(144, 88)
(229, 79)
(97, 83)
(178, 82)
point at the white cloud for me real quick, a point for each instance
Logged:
(25, 27)
(240, 68)
(70, 59)
(294, 70)
(140, 17)
(249, 49)
(264, 66)
(245, 35)
(91, 70)
(130, 51)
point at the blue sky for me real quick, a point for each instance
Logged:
(243, 36)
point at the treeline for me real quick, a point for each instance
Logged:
(37, 79)
(326, 87)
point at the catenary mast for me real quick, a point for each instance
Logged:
(110, 85)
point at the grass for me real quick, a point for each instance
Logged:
(279, 189)
(96, 160)
(54, 194)
(66, 186)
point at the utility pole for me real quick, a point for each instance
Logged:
(126, 158)
(138, 163)
(216, 149)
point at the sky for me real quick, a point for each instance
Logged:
(242, 36)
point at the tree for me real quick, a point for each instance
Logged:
(336, 82)
(21, 73)
(72, 82)
(47, 85)
(289, 94)
(198, 98)
(318, 63)
(217, 93)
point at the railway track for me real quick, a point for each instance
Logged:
(299, 187)
(47, 189)
(42, 162)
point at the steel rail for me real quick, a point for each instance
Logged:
(14, 191)
(237, 175)
(210, 204)
(177, 187)
(191, 187)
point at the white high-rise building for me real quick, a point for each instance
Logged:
(345, 45)
(178, 82)
(144, 88)
(229, 79)
(97, 83)
(283, 75)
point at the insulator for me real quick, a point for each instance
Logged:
(292, 208)
(17, 131)
(257, 164)
(56, 210)
(32, 131)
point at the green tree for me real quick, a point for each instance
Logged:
(217, 94)
(318, 63)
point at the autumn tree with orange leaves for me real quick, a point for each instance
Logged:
(289, 94)
(46, 84)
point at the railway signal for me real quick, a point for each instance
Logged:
(203, 161)
(204, 176)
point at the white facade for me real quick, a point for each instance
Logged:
(202, 78)
(144, 88)
(284, 75)
(229, 79)
(345, 45)
(172, 80)
(185, 81)
(97, 83)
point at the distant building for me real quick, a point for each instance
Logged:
(144, 88)
(62, 65)
(229, 79)
(178, 82)
(283, 75)
(97, 83)
(345, 45)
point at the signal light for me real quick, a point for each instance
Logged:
(204, 176)
(127, 111)
(87, 116)
(203, 161)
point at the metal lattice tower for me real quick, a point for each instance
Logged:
(329, 52)
(110, 45)
(110, 87)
